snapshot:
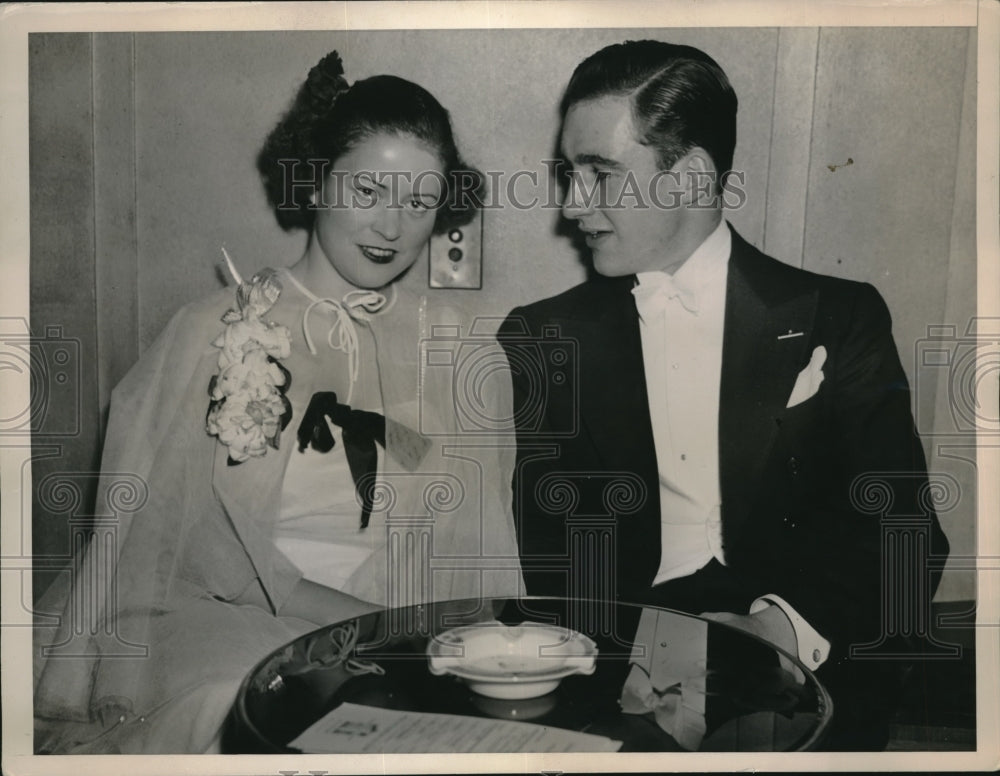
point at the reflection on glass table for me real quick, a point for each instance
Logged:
(567, 675)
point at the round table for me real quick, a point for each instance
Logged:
(663, 680)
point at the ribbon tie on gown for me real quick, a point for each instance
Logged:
(343, 334)
(360, 430)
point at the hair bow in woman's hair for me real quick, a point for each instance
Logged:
(360, 430)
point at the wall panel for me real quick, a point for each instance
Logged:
(115, 248)
(955, 454)
(62, 305)
(891, 101)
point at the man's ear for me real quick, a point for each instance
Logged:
(699, 178)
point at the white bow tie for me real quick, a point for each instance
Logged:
(656, 289)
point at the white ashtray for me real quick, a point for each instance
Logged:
(511, 661)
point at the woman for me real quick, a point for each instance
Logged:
(298, 400)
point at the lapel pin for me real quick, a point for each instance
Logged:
(790, 334)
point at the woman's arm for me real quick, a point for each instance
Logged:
(323, 605)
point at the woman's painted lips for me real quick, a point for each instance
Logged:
(377, 255)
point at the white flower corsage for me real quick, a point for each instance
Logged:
(248, 408)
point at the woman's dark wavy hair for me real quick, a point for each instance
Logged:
(329, 118)
(680, 97)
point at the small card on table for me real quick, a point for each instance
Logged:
(355, 729)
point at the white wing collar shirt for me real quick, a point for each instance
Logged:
(681, 324)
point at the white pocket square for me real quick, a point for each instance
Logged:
(809, 379)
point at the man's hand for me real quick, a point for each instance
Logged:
(770, 624)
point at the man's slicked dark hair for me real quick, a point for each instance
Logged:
(680, 97)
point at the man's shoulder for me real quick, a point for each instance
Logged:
(778, 275)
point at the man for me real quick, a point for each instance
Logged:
(744, 408)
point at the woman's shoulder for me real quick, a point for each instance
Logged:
(187, 335)
(207, 311)
(267, 299)
(201, 320)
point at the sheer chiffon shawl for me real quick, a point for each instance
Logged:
(193, 586)
(450, 445)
